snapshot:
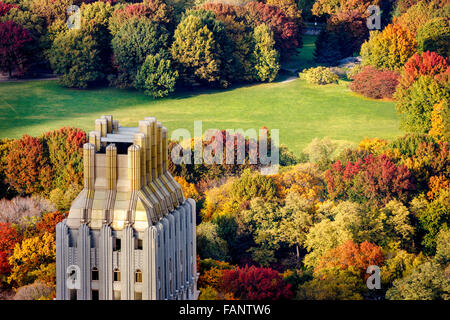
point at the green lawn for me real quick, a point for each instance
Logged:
(300, 111)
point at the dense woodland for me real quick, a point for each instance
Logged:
(308, 232)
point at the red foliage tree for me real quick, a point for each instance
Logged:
(27, 168)
(49, 221)
(350, 255)
(374, 83)
(375, 178)
(287, 33)
(426, 64)
(252, 283)
(13, 41)
(8, 239)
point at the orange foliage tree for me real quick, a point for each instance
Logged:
(350, 255)
(27, 167)
(49, 221)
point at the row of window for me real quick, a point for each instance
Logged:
(117, 245)
(137, 275)
(95, 295)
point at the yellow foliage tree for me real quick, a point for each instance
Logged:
(189, 189)
(304, 179)
(389, 49)
(373, 145)
(34, 259)
(440, 118)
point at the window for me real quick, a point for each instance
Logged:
(137, 295)
(94, 273)
(95, 295)
(73, 294)
(117, 245)
(116, 274)
(139, 244)
(116, 295)
(138, 276)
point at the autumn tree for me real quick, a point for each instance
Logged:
(440, 117)
(428, 282)
(389, 49)
(252, 283)
(28, 169)
(65, 155)
(287, 33)
(13, 47)
(49, 221)
(333, 284)
(435, 36)
(210, 245)
(8, 239)
(33, 259)
(332, 7)
(374, 178)
(351, 255)
(415, 106)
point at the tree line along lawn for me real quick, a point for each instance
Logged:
(299, 110)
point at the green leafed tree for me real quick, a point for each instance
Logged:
(76, 56)
(156, 76)
(135, 40)
(198, 49)
(264, 54)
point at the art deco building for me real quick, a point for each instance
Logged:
(130, 233)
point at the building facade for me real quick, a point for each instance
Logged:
(130, 233)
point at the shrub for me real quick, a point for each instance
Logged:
(435, 36)
(374, 83)
(416, 105)
(426, 64)
(389, 49)
(35, 291)
(19, 210)
(76, 55)
(319, 75)
(156, 76)
(135, 40)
